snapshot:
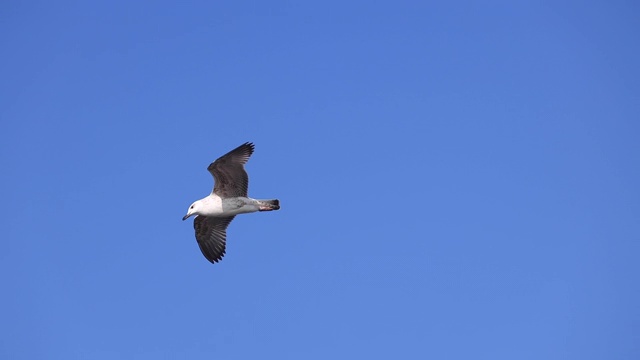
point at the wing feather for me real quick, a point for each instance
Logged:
(211, 234)
(231, 179)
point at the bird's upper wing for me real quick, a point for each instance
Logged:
(211, 233)
(231, 179)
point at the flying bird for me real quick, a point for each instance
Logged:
(228, 199)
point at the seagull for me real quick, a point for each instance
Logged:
(228, 199)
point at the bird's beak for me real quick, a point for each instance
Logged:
(186, 217)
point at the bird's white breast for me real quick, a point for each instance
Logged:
(212, 205)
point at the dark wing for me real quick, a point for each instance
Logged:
(211, 233)
(231, 179)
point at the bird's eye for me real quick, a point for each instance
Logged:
(191, 207)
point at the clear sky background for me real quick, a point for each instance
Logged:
(458, 181)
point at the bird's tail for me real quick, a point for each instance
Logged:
(269, 205)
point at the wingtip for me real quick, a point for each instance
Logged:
(213, 256)
(250, 145)
(214, 260)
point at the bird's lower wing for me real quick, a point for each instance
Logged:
(211, 233)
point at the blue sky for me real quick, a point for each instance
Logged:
(458, 181)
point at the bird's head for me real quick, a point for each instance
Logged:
(194, 209)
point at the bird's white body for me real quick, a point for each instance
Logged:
(214, 205)
(210, 205)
